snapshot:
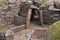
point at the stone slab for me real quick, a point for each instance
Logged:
(19, 20)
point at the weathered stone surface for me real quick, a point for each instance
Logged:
(19, 20)
(12, 1)
(24, 8)
(39, 34)
(9, 35)
(51, 17)
(8, 11)
(12, 5)
(4, 7)
(2, 36)
(18, 28)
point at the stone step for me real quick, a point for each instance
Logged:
(12, 1)
(12, 5)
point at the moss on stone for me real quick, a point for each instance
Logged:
(44, 1)
(1, 26)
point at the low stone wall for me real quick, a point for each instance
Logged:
(9, 10)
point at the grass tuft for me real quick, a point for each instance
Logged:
(2, 2)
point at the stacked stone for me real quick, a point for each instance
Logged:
(3, 14)
(22, 13)
(18, 7)
(7, 13)
(51, 17)
(13, 9)
(14, 5)
(2, 36)
(24, 6)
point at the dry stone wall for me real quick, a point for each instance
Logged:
(9, 10)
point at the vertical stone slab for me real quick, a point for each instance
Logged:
(28, 18)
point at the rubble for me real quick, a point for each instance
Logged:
(9, 35)
(2, 36)
(31, 34)
(16, 28)
(8, 11)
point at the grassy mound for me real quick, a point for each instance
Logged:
(54, 31)
(2, 2)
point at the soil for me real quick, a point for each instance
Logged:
(22, 35)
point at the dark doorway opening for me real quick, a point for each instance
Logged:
(35, 17)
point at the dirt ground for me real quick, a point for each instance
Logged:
(22, 34)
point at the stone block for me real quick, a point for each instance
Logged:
(9, 13)
(12, 5)
(19, 20)
(18, 28)
(9, 35)
(4, 7)
(10, 19)
(2, 36)
(3, 14)
(12, 1)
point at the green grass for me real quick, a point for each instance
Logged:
(54, 31)
(2, 2)
(1, 26)
(44, 1)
